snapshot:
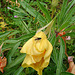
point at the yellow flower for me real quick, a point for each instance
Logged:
(38, 51)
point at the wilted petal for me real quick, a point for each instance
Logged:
(38, 51)
(2, 63)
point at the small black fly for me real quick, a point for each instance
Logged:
(38, 39)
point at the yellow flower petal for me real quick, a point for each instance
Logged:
(49, 50)
(38, 51)
(27, 47)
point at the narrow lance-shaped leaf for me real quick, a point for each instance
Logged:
(62, 13)
(4, 34)
(18, 71)
(53, 40)
(35, 21)
(14, 49)
(61, 54)
(69, 6)
(11, 41)
(33, 12)
(20, 11)
(70, 13)
(9, 72)
(70, 28)
(12, 52)
(66, 73)
(25, 26)
(45, 11)
(54, 54)
(14, 32)
(26, 37)
(16, 61)
(67, 18)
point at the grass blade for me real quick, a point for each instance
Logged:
(45, 11)
(68, 19)
(14, 49)
(18, 71)
(70, 5)
(70, 28)
(11, 41)
(14, 32)
(66, 73)
(12, 52)
(62, 13)
(33, 12)
(16, 61)
(4, 34)
(61, 54)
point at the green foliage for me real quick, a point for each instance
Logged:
(60, 60)
(18, 60)
(45, 11)
(66, 73)
(30, 16)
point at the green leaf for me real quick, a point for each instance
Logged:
(21, 11)
(9, 60)
(4, 34)
(70, 5)
(53, 40)
(61, 54)
(25, 26)
(14, 32)
(7, 46)
(68, 19)
(55, 55)
(70, 14)
(45, 11)
(36, 17)
(11, 41)
(14, 49)
(16, 61)
(12, 52)
(33, 12)
(70, 28)
(9, 72)
(23, 37)
(26, 37)
(19, 23)
(66, 73)
(18, 71)
(62, 13)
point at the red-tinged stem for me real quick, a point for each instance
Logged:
(65, 49)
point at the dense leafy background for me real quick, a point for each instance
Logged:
(32, 15)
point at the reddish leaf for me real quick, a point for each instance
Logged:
(3, 62)
(71, 68)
